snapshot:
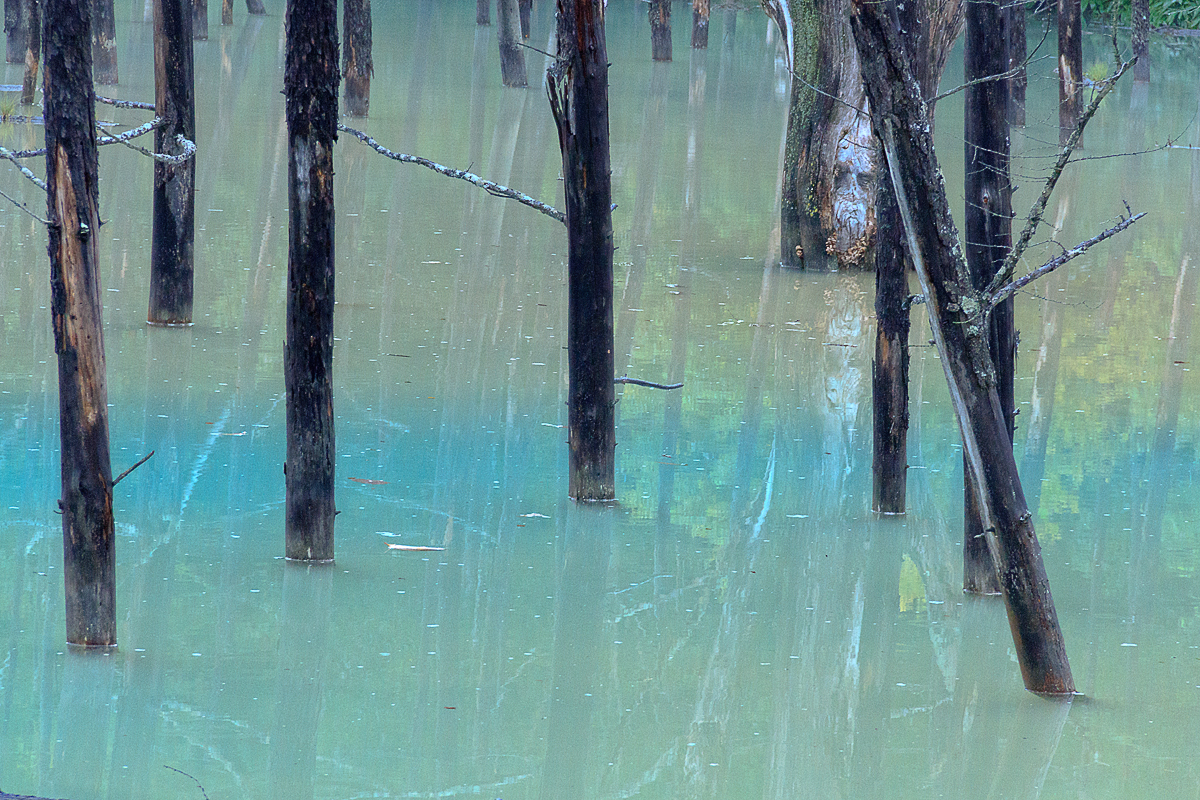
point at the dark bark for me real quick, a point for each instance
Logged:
(357, 66)
(200, 19)
(1140, 9)
(889, 371)
(104, 42)
(256, 7)
(89, 554)
(173, 235)
(226, 12)
(660, 30)
(483, 12)
(512, 54)
(525, 7)
(1070, 67)
(955, 309)
(310, 93)
(33, 51)
(700, 10)
(1017, 55)
(988, 224)
(578, 87)
(16, 30)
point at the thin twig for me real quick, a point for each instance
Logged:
(651, 384)
(1034, 219)
(193, 777)
(24, 208)
(462, 174)
(1012, 73)
(117, 480)
(187, 145)
(38, 182)
(126, 104)
(1006, 291)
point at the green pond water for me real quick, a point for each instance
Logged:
(740, 625)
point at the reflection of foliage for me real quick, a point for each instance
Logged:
(912, 588)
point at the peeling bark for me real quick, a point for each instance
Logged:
(89, 553)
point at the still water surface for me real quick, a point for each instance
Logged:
(740, 625)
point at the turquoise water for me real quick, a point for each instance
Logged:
(739, 625)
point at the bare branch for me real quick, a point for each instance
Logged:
(118, 479)
(462, 174)
(8, 154)
(186, 145)
(24, 208)
(125, 103)
(1012, 73)
(132, 133)
(639, 382)
(1006, 291)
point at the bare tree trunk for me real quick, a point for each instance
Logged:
(226, 12)
(16, 30)
(200, 20)
(988, 240)
(1017, 55)
(256, 7)
(578, 88)
(526, 9)
(1140, 9)
(33, 52)
(660, 30)
(1070, 67)
(483, 12)
(700, 10)
(89, 553)
(173, 235)
(104, 42)
(357, 66)
(954, 309)
(310, 92)
(512, 54)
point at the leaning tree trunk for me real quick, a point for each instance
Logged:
(1070, 67)
(660, 30)
(512, 52)
(172, 241)
(357, 66)
(955, 310)
(578, 87)
(104, 42)
(988, 223)
(33, 52)
(310, 94)
(89, 554)
(828, 209)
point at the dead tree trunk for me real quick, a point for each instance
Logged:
(1140, 9)
(89, 555)
(700, 9)
(200, 19)
(956, 312)
(33, 52)
(1017, 55)
(310, 95)
(483, 12)
(989, 238)
(512, 54)
(1070, 67)
(357, 66)
(578, 87)
(173, 234)
(660, 30)
(104, 42)
(16, 30)
(256, 7)
(226, 12)
(525, 7)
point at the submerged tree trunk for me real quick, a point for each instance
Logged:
(700, 9)
(1140, 9)
(200, 19)
(526, 9)
(955, 310)
(226, 12)
(988, 240)
(173, 235)
(256, 7)
(104, 42)
(16, 30)
(89, 554)
(357, 66)
(310, 94)
(660, 30)
(1070, 67)
(512, 53)
(578, 87)
(33, 52)
(483, 12)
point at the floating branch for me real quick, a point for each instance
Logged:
(118, 479)
(1009, 289)
(125, 103)
(462, 174)
(652, 385)
(8, 154)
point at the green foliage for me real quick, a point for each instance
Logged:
(1163, 13)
